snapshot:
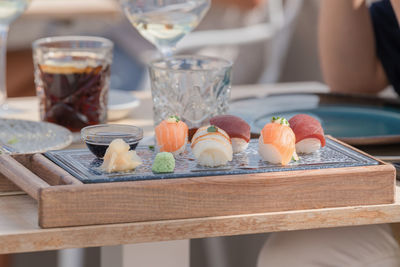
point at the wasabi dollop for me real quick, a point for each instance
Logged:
(164, 162)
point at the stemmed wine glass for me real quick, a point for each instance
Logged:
(165, 22)
(9, 11)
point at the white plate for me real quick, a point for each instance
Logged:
(120, 104)
(33, 137)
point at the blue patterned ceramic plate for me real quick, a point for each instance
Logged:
(85, 166)
(25, 137)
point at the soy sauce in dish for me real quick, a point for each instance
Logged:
(99, 150)
(99, 137)
(98, 145)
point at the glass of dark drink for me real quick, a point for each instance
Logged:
(72, 75)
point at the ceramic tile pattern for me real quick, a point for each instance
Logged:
(84, 166)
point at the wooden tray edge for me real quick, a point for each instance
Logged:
(147, 200)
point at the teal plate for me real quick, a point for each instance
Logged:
(357, 120)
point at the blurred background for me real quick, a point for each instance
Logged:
(269, 41)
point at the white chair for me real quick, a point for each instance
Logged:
(275, 33)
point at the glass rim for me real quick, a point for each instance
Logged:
(134, 131)
(104, 42)
(226, 64)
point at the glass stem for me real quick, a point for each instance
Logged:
(3, 55)
(167, 51)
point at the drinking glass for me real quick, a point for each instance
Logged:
(165, 22)
(9, 11)
(72, 76)
(195, 88)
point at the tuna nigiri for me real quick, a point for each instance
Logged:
(237, 129)
(211, 146)
(309, 133)
(277, 142)
(172, 135)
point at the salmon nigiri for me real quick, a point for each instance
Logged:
(277, 142)
(172, 135)
(309, 133)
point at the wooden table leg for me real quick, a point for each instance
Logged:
(5, 260)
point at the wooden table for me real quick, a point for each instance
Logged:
(19, 231)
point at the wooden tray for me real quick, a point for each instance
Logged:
(65, 201)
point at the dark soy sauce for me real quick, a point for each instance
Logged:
(99, 150)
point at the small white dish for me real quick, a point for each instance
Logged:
(120, 104)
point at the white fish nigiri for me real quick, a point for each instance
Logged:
(211, 146)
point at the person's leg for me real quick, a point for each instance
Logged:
(356, 246)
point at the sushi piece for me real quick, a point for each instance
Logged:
(119, 158)
(211, 146)
(172, 135)
(237, 129)
(309, 133)
(164, 162)
(277, 142)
